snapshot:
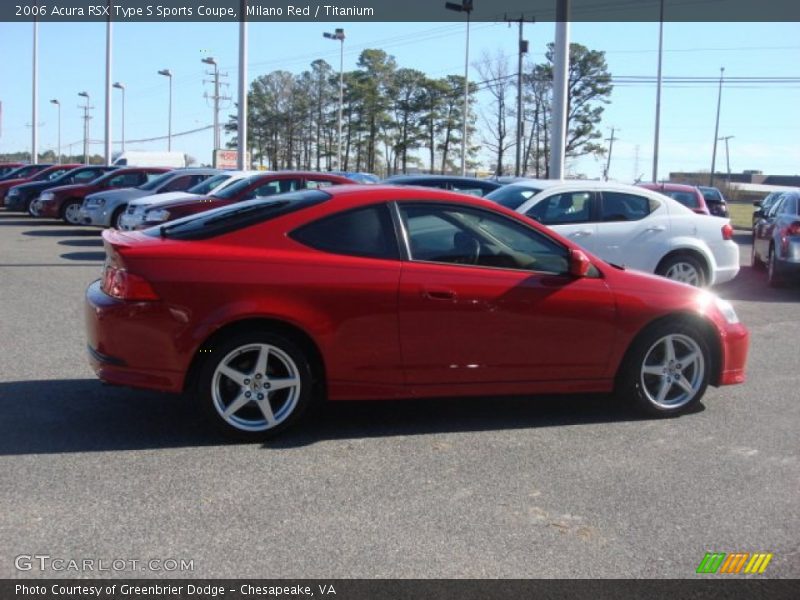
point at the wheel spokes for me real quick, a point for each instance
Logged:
(237, 403)
(236, 376)
(262, 361)
(266, 410)
(282, 384)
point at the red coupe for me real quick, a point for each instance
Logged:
(379, 292)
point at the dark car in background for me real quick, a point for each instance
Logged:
(715, 201)
(64, 202)
(22, 175)
(21, 197)
(763, 206)
(776, 240)
(7, 167)
(463, 185)
(688, 195)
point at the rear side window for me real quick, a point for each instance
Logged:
(568, 207)
(365, 231)
(619, 206)
(688, 199)
(512, 196)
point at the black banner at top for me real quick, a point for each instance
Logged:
(394, 10)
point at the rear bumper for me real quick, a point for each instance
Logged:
(132, 343)
(726, 255)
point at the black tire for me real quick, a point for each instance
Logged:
(755, 260)
(676, 262)
(216, 391)
(774, 278)
(65, 211)
(648, 351)
(114, 224)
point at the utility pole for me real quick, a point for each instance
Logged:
(727, 156)
(35, 107)
(716, 129)
(168, 73)
(107, 144)
(58, 104)
(560, 91)
(121, 87)
(636, 175)
(523, 49)
(658, 92)
(241, 121)
(216, 97)
(610, 141)
(466, 6)
(338, 35)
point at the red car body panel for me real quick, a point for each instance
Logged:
(35, 176)
(386, 328)
(63, 193)
(191, 206)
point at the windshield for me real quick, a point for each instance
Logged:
(157, 182)
(24, 172)
(235, 189)
(209, 184)
(237, 216)
(512, 196)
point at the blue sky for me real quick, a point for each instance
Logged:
(762, 119)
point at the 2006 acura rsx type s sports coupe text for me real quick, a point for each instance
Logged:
(376, 292)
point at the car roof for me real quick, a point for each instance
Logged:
(425, 177)
(675, 187)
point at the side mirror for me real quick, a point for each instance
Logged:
(579, 264)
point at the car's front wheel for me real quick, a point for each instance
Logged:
(254, 385)
(70, 212)
(684, 268)
(116, 218)
(666, 370)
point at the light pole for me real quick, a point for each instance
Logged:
(86, 118)
(107, 124)
(210, 61)
(35, 106)
(339, 35)
(658, 92)
(241, 122)
(716, 129)
(121, 86)
(58, 104)
(560, 91)
(727, 156)
(168, 73)
(465, 6)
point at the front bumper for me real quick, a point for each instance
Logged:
(99, 216)
(735, 344)
(15, 203)
(133, 343)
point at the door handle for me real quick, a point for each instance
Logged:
(581, 233)
(439, 294)
(656, 228)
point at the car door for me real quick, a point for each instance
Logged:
(571, 214)
(484, 298)
(632, 230)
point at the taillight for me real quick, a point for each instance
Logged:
(792, 229)
(727, 231)
(119, 283)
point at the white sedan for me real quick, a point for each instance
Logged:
(631, 226)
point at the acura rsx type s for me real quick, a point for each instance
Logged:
(375, 292)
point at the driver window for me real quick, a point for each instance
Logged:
(277, 186)
(466, 236)
(569, 207)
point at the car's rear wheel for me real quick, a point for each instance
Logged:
(70, 212)
(684, 268)
(666, 370)
(774, 278)
(254, 385)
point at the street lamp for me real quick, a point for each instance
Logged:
(121, 86)
(211, 61)
(465, 6)
(168, 73)
(85, 108)
(58, 104)
(716, 129)
(339, 35)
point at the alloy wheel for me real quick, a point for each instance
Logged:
(256, 387)
(673, 371)
(684, 272)
(71, 213)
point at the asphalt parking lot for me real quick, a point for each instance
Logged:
(490, 487)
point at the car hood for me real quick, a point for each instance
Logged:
(9, 183)
(159, 199)
(35, 186)
(184, 201)
(75, 188)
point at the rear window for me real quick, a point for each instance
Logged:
(512, 196)
(686, 198)
(237, 216)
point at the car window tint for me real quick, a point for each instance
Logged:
(568, 207)
(512, 196)
(365, 231)
(126, 180)
(470, 236)
(468, 189)
(56, 174)
(688, 199)
(619, 206)
(277, 186)
(85, 176)
(179, 184)
(316, 184)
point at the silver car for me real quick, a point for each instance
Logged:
(105, 209)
